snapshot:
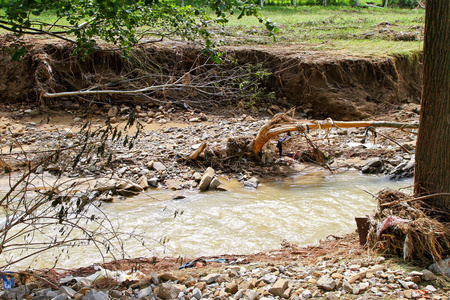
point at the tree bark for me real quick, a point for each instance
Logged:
(356, 3)
(432, 171)
(385, 3)
(324, 3)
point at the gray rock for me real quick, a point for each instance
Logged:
(143, 182)
(210, 278)
(427, 275)
(363, 286)
(355, 290)
(250, 295)
(214, 184)
(197, 294)
(197, 176)
(122, 170)
(269, 278)
(408, 284)
(95, 295)
(306, 294)
(206, 179)
(42, 292)
(239, 294)
(430, 288)
(279, 287)
(403, 170)
(154, 277)
(327, 283)
(42, 297)
(331, 296)
(61, 297)
(441, 267)
(157, 166)
(19, 292)
(67, 290)
(115, 294)
(169, 291)
(347, 287)
(128, 188)
(145, 292)
(372, 166)
(252, 183)
(153, 182)
(39, 170)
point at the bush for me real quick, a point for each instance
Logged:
(406, 3)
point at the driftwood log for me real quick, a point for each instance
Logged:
(283, 122)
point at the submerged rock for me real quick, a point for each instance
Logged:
(403, 170)
(252, 183)
(214, 184)
(372, 166)
(206, 179)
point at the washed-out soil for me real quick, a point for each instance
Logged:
(319, 84)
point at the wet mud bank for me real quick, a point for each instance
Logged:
(319, 84)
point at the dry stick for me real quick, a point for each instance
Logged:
(282, 123)
(391, 139)
(415, 199)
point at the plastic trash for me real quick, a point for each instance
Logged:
(8, 283)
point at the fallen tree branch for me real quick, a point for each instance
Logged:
(415, 199)
(98, 92)
(282, 123)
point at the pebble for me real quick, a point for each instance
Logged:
(262, 282)
(252, 183)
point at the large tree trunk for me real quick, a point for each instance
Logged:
(356, 3)
(432, 173)
(324, 3)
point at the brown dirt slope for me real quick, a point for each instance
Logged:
(319, 84)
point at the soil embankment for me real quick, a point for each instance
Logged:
(319, 84)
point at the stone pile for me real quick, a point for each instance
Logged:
(354, 279)
(154, 160)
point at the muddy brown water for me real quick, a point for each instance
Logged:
(301, 210)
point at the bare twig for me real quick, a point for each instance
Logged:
(415, 199)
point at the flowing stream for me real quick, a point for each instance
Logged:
(300, 210)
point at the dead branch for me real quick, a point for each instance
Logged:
(415, 199)
(282, 123)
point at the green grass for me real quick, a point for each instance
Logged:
(357, 31)
(354, 31)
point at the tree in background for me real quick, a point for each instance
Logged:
(122, 22)
(432, 173)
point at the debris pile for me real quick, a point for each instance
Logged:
(405, 227)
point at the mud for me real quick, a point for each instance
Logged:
(319, 84)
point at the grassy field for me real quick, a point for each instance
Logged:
(357, 31)
(370, 31)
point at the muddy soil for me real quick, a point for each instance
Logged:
(319, 84)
